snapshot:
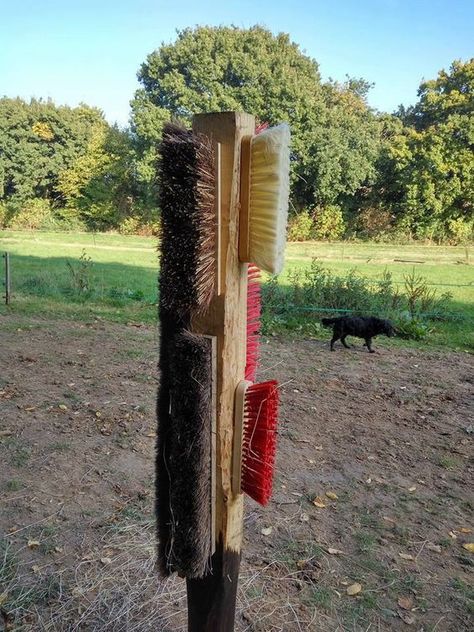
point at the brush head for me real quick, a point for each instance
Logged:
(188, 224)
(184, 508)
(254, 304)
(259, 440)
(268, 197)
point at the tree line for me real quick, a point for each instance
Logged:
(354, 171)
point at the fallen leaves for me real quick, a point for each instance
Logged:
(266, 530)
(335, 552)
(33, 544)
(405, 602)
(406, 617)
(406, 605)
(354, 589)
(406, 556)
(469, 546)
(434, 547)
(319, 502)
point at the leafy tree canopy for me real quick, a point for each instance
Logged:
(228, 68)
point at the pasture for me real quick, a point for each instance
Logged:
(116, 278)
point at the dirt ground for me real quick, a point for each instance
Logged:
(372, 496)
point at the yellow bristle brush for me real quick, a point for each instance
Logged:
(265, 187)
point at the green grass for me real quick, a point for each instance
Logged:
(121, 281)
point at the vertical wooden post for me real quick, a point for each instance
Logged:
(211, 599)
(6, 256)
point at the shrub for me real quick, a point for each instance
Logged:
(421, 299)
(129, 226)
(329, 222)
(3, 215)
(318, 291)
(411, 328)
(461, 230)
(374, 221)
(301, 227)
(31, 215)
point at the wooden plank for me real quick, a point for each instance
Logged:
(225, 319)
(245, 166)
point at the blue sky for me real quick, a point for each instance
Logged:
(90, 50)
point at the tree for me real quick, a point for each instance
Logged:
(228, 68)
(70, 158)
(38, 140)
(429, 162)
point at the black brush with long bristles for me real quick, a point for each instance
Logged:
(189, 462)
(188, 223)
(186, 181)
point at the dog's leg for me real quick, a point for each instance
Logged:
(368, 344)
(333, 340)
(343, 340)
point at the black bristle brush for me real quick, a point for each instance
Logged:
(188, 223)
(186, 182)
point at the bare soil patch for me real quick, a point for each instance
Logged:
(373, 487)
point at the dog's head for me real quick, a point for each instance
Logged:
(388, 329)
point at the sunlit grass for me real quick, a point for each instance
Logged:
(122, 277)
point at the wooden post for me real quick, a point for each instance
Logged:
(211, 599)
(6, 256)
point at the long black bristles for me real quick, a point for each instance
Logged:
(189, 460)
(187, 273)
(188, 225)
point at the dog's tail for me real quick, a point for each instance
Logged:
(327, 322)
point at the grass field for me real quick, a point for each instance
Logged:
(116, 279)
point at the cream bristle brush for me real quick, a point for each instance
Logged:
(265, 186)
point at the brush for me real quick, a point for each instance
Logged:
(265, 186)
(190, 454)
(256, 408)
(253, 321)
(188, 222)
(185, 415)
(219, 212)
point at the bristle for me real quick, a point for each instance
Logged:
(269, 193)
(187, 185)
(259, 440)
(261, 127)
(253, 321)
(187, 459)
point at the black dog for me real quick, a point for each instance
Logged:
(366, 327)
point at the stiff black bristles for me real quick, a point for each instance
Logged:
(186, 543)
(188, 225)
(187, 274)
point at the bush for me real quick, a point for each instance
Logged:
(3, 215)
(129, 226)
(411, 328)
(31, 215)
(329, 223)
(461, 230)
(318, 291)
(301, 227)
(374, 221)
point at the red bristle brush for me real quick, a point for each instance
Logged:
(256, 411)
